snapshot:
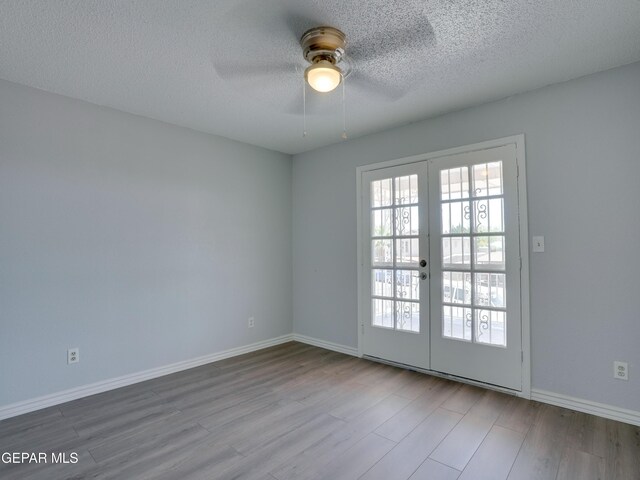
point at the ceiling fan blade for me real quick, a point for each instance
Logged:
(297, 24)
(371, 85)
(416, 36)
(231, 71)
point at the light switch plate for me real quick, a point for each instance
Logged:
(538, 244)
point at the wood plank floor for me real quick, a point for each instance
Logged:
(299, 412)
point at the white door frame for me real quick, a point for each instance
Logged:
(518, 140)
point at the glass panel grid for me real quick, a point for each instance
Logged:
(473, 254)
(395, 246)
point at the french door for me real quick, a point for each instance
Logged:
(442, 263)
(395, 252)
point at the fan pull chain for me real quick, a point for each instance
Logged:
(304, 108)
(344, 114)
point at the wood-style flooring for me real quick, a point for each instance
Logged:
(296, 412)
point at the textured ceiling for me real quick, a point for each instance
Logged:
(233, 68)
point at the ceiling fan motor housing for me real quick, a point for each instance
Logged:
(323, 43)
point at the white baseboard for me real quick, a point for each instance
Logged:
(587, 406)
(572, 403)
(336, 347)
(26, 406)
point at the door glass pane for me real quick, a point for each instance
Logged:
(488, 215)
(382, 283)
(487, 179)
(488, 252)
(381, 193)
(454, 183)
(408, 316)
(456, 252)
(456, 217)
(456, 287)
(407, 222)
(490, 290)
(491, 327)
(381, 222)
(456, 322)
(408, 284)
(382, 252)
(382, 313)
(406, 189)
(407, 252)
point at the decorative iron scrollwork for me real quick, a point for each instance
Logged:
(483, 323)
(405, 316)
(403, 218)
(481, 214)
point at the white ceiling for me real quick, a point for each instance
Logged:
(200, 63)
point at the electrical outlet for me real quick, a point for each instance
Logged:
(251, 323)
(621, 370)
(73, 355)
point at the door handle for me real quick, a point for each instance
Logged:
(423, 276)
(423, 263)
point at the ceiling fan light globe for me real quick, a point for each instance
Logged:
(323, 76)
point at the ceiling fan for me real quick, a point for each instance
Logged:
(378, 54)
(324, 48)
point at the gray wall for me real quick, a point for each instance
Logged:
(141, 243)
(144, 244)
(583, 161)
